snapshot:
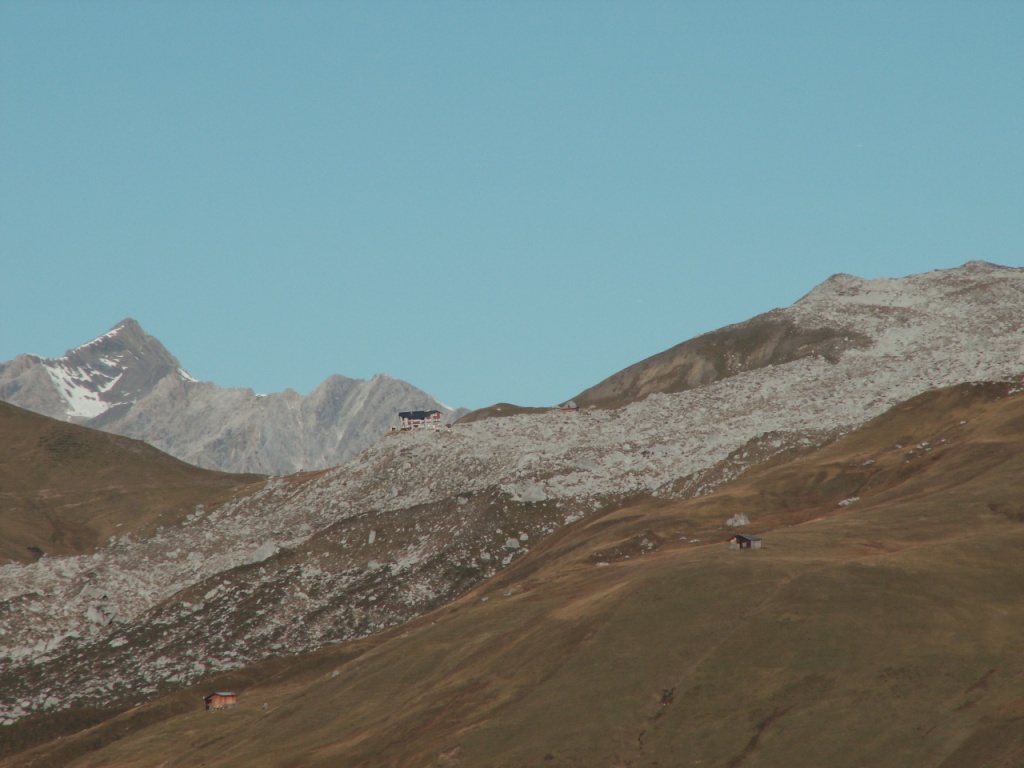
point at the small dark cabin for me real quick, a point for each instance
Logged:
(739, 541)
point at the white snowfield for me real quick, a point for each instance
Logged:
(927, 331)
(81, 389)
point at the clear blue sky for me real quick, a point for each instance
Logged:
(492, 200)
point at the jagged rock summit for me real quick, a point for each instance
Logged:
(127, 383)
(107, 373)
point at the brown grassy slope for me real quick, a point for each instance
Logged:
(498, 410)
(65, 489)
(886, 632)
(765, 340)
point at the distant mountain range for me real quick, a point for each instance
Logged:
(127, 383)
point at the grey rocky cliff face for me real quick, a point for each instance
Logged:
(127, 383)
(25, 383)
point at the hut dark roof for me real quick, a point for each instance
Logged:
(419, 415)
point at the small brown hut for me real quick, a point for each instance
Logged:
(739, 541)
(221, 700)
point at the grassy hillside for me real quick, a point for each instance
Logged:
(65, 489)
(882, 624)
(498, 410)
(768, 339)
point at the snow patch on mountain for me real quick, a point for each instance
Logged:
(127, 383)
(81, 389)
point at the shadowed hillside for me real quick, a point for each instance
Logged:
(66, 489)
(881, 624)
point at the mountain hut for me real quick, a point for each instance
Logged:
(739, 541)
(420, 419)
(221, 700)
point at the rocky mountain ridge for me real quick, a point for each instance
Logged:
(421, 516)
(825, 323)
(126, 382)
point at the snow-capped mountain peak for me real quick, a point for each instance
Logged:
(113, 369)
(125, 381)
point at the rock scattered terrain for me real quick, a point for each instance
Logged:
(421, 516)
